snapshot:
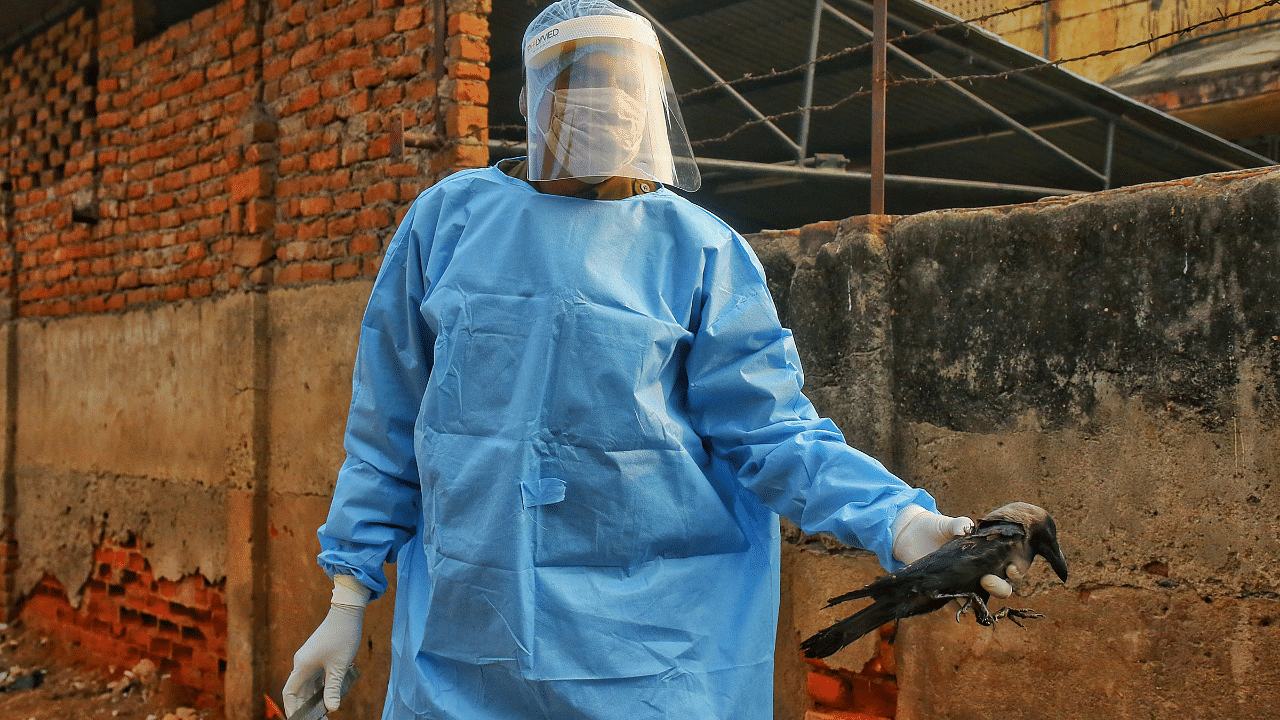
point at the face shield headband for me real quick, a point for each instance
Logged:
(600, 104)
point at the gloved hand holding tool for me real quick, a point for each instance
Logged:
(330, 650)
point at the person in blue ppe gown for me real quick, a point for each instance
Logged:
(575, 419)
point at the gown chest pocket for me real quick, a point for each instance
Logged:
(610, 472)
(631, 478)
(493, 361)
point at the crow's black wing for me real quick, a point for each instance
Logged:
(972, 546)
(926, 585)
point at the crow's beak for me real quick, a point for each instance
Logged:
(1056, 559)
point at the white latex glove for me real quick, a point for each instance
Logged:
(998, 586)
(330, 648)
(918, 532)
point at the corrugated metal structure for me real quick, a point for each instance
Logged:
(1018, 132)
(1227, 82)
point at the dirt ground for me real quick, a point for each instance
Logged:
(35, 684)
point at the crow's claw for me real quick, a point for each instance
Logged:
(1016, 614)
(981, 614)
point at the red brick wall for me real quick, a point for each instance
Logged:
(335, 78)
(870, 694)
(128, 614)
(245, 147)
(46, 111)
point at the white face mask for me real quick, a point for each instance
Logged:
(594, 131)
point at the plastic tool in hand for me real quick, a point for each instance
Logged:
(313, 708)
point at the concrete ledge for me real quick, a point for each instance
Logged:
(63, 517)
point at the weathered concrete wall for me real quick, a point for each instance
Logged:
(155, 430)
(313, 334)
(1113, 358)
(141, 416)
(1125, 376)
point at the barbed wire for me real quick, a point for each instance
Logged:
(752, 77)
(1221, 17)
(862, 92)
(749, 77)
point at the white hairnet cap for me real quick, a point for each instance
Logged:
(558, 12)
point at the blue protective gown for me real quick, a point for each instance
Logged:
(572, 424)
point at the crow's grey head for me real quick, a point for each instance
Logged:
(1041, 531)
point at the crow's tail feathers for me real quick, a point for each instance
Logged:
(862, 592)
(828, 642)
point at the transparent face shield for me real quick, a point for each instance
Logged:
(599, 104)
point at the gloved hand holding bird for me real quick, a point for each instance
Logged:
(969, 568)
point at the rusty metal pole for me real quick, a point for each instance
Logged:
(879, 57)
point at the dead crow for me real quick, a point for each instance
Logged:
(1004, 543)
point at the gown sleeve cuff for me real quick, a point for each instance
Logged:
(349, 591)
(904, 519)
